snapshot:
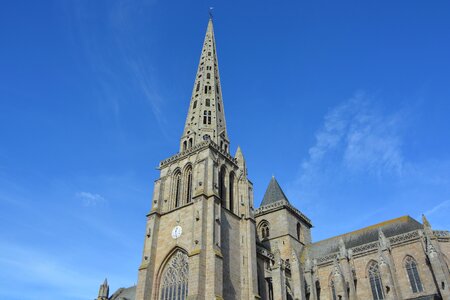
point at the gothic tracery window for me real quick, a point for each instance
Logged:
(375, 281)
(413, 274)
(174, 278)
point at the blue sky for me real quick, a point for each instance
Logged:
(345, 102)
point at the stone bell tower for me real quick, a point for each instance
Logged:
(199, 239)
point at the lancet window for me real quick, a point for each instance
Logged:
(176, 189)
(174, 278)
(333, 290)
(264, 229)
(188, 180)
(222, 194)
(375, 281)
(231, 184)
(413, 274)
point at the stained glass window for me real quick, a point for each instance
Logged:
(375, 281)
(174, 279)
(413, 274)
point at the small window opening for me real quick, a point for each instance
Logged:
(218, 106)
(198, 87)
(208, 76)
(207, 102)
(209, 117)
(195, 104)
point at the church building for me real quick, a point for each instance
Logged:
(205, 239)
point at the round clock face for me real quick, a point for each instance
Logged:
(176, 232)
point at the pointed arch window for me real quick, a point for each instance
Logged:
(232, 192)
(375, 281)
(188, 180)
(299, 227)
(264, 229)
(205, 116)
(174, 278)
(209, 117)
(333, 290)
(208, 76)
(413, 274)
(222, 195)
(176, 190)
(207, 102)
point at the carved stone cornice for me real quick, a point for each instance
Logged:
(279, 205)
(201, 146)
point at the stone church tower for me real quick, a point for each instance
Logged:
(200, 234)
(204, 239)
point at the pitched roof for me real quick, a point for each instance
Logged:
(124, 294)
(363, 236)
(273, 193)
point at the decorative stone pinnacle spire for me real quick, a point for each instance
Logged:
(336, 268)
(425, 221)
(342, 249)
(103, 292)
(206, 117)
(384, 242)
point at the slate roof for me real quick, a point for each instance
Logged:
(273, 193)
(363, 236)
(124, 294)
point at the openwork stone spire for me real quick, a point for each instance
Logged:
(206, 117)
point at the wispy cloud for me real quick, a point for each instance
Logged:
(117, 57)
(29, 266)
(359, 138)
(90, 199)
(443, 206)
